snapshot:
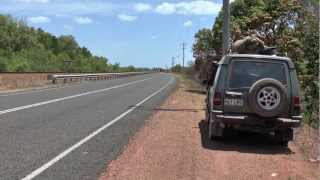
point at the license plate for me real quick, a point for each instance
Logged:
(233, 102)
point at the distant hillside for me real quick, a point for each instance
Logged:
(26, 49)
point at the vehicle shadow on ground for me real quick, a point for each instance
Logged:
(146, 108)
(196, 91)
(242, 142)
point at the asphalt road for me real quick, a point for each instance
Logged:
(74, 132)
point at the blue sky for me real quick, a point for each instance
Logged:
(144, 33)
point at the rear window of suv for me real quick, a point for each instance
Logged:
(246, 72)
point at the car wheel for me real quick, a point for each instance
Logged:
(283, 136)
(210, 135)
(284, 143)
(268, 97)
(215, 132)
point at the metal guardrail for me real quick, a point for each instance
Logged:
(69, 78)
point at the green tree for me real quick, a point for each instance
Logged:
(3, 65)
(290, 25)
(18, 64)
(176, 68)
(24, 48)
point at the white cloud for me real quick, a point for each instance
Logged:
(33, 1)
(201, 7)
(82, 20)
(166, 8)
(60, 7)
(39, 19)
(188, 23)
(125, 17)
(68, 27)
(142, 7)
(85, 8)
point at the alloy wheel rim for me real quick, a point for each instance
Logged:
(268, 98)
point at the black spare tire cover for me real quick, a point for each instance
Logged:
(268, 97)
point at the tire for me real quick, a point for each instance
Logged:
(263, 106)
(215, 132)
(283, 136)
(207, 112)
(210, 134)
(284, 143)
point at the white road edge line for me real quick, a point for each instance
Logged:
(68, 97)
(90, 136)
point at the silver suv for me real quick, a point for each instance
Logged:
(254, 93)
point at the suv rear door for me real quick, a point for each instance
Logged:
(242, 74)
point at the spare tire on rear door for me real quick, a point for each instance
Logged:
(268, 97)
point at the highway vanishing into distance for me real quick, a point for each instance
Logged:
(73, 132)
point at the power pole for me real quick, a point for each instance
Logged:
(172, 63)
(183, 50)
(226, 27)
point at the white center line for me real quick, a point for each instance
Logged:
(90, 136)
(68, 97)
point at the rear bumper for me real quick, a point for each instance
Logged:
(253, 120)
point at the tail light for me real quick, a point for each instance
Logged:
(217, 99)
(296, 103)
